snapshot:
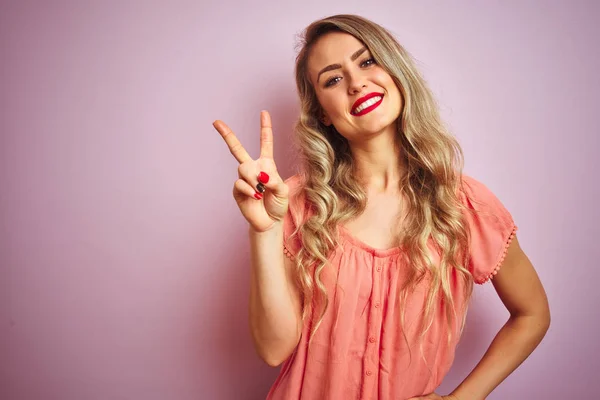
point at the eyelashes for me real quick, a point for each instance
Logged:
(332, 81)
(371, 61)
(365, 64)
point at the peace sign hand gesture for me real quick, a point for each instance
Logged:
(261, 210)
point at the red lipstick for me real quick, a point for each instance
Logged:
(362, 100)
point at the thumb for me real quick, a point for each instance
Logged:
(275, 184)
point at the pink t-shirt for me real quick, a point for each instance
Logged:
(359, 351)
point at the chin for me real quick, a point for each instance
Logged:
(375, 130)
(375, 125)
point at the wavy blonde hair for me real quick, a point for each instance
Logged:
(433, 160)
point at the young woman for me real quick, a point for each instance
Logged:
(383, 235)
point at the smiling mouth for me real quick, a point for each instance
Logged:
(366, 104)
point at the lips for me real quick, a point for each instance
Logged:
(370, 107)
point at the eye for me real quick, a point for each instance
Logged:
(368, 62)
(332, 81)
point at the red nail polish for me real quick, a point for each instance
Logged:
(263, 178)
(258, 196)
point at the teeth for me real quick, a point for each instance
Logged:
(366, 104)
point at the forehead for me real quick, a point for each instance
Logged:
(332, 48)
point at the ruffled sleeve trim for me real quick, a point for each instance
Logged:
(288, 253)
(507, 243)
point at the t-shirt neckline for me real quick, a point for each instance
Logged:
(377, 252)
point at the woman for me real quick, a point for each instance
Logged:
(383, 235)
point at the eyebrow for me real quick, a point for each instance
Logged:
(337, 66)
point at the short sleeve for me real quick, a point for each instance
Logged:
(293, 217)
(491, 228)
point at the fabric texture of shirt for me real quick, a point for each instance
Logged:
(360, 350)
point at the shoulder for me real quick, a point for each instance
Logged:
(483, 208)
(294, 182)
(473, 188)
(295, 215)
(476, 195)
(297, 204)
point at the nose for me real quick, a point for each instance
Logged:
(356, 83)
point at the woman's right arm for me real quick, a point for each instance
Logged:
(275, 305)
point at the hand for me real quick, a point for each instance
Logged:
(433, 396)
(260, 210)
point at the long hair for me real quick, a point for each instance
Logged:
(433, 160)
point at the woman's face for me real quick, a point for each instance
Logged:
(357, 96)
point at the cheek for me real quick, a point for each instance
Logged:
(398, 97)
(386, 80)
(393, 90)
(332, 104)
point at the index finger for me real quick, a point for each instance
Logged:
(266, 135)
(235, 147)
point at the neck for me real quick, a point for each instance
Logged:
(378, 163)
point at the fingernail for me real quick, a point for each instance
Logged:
(258, 196)
(263, 177)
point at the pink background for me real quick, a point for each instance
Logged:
(124, 259)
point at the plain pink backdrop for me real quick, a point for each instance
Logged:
(124, 259)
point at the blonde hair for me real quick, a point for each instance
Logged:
(433, 160)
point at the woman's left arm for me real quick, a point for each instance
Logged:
(522, 293)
